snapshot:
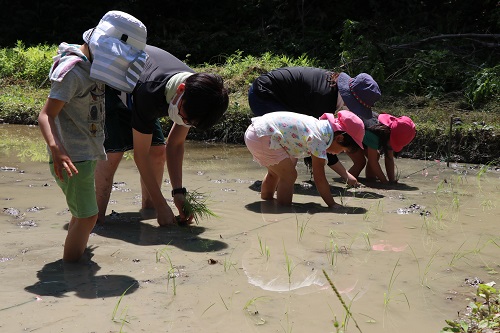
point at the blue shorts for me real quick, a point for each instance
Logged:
(118, 127)
(79, 190)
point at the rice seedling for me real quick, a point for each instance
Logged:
(439, 215)
(332, 253)
(195, 205)
(251, 305)
(388, 295)
(228, 263)
(366, 238)
(374, 210)
(264, 249)
(480, 174)
(456, 201)
(124, 313)
(423, 275)
(398, 173)
(289, 265)
(173, 272)
(342, 196)
(487, 205)
(346, 308)
(301, 227)
(457, 255)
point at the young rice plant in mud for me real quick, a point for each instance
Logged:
(388, 296)
(196, 206)
(423, 275)
(301, 227)
(289, 265)
(251, 305)
(264, 249)
(124, 314)
(228, 263)
(173, 271)
(331, 253)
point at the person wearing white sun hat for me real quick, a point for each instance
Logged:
(72, 124)
(117, 53)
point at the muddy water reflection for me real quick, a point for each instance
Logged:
(401, 256)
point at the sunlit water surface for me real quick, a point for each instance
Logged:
(403, 259)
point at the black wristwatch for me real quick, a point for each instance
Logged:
(181, 190)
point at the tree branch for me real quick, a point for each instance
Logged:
(470, 36)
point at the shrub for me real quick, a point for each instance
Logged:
(30, 64)
(484, 86)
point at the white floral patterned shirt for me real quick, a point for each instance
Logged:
(300, 135)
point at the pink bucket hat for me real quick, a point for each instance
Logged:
(402, 130)
(348, 122)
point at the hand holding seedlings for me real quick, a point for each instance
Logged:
(194, 207)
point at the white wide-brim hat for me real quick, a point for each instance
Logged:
(117, 49)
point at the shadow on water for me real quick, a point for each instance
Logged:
(59, 278)
(308, 188)
(271, 207)
(129, 227)
(398, 186)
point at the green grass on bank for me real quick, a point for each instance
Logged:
(474, 136)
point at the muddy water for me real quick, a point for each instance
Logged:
(404, 259)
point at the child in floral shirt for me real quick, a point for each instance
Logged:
(276, 140)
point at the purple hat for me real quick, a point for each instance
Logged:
(359, 93)
(348, 122)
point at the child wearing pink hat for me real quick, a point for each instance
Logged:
(276, 140)
(389, 134)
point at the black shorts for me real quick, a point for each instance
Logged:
(118, 126)
(332, 159)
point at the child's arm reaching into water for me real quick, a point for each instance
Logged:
(373, 168)
(389, 166)
(322, 185)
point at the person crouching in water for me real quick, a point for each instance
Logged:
(276, 140)
(387, 135)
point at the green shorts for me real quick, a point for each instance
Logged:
(118, 127)
(79, 189)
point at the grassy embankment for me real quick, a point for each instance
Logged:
(474, 135)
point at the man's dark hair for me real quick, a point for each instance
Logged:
(205, 99)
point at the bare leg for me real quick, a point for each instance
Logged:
(287, 174)
(104, 174)
(78, 235)
(269, 185)
(157, 155)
